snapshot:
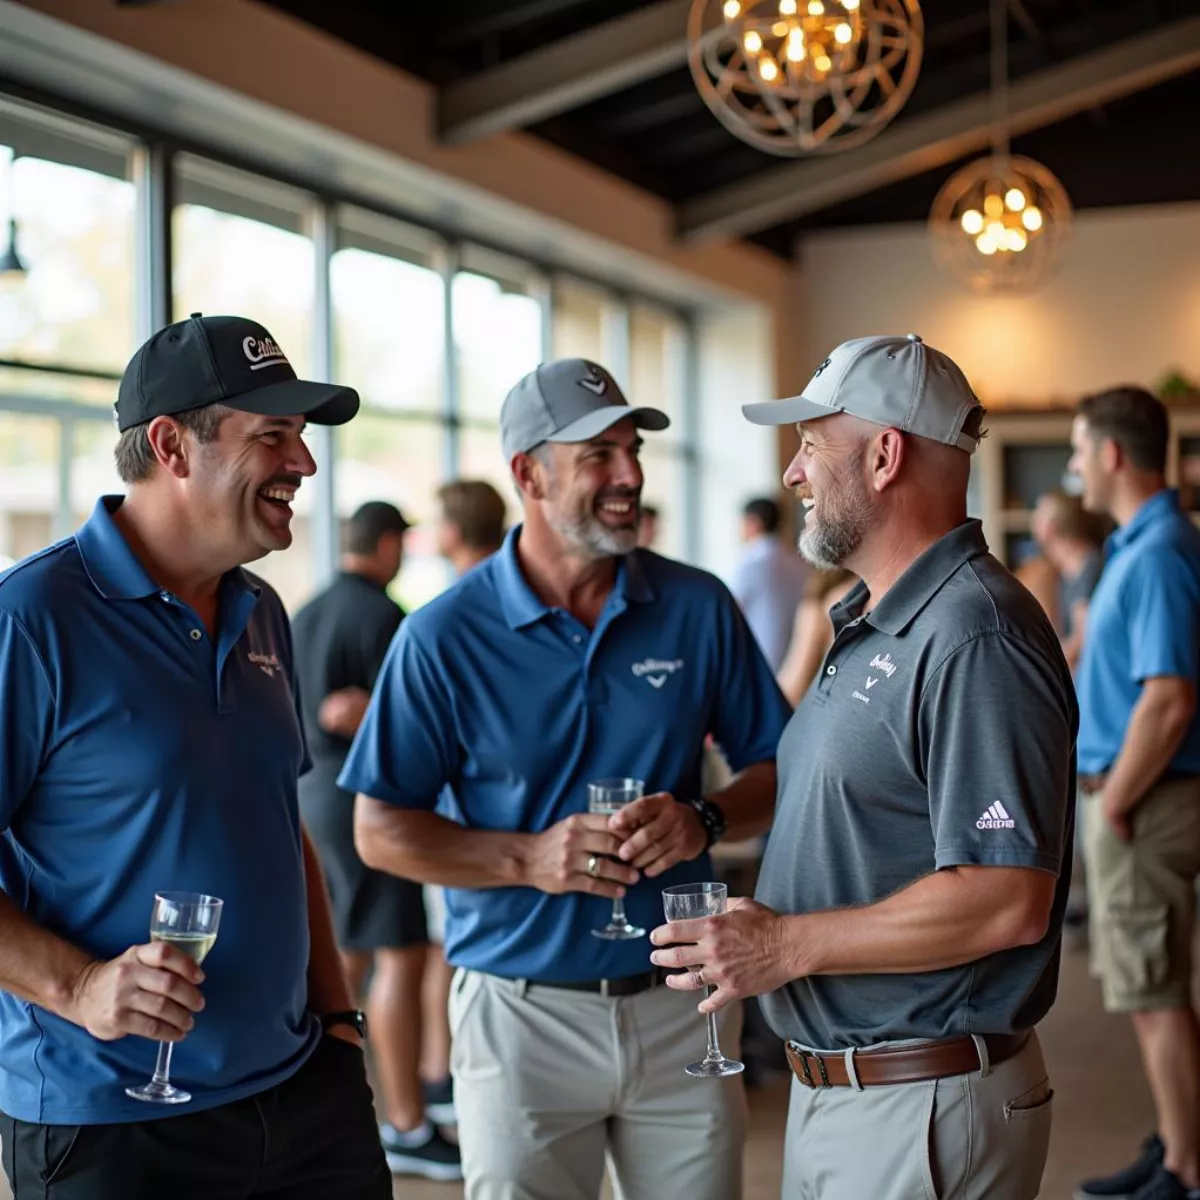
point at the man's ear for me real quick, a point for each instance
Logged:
(885, 457)
(530, 476)
(1111, 454)
(170, 444)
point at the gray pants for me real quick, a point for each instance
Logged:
(548, 1082)
(983, 1134)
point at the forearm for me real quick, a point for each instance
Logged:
(430, 849)
(37, 966)
(943, 920)
(327, 988)
(748, 801)
(1156, 730)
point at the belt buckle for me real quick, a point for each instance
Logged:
(806, 1076)
(604, 988)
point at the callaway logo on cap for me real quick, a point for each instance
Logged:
(223, 360)
(897, 382)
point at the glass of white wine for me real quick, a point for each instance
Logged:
(608, 796)
(687, 902)
(189, 922)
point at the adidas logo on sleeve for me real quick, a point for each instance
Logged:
(995, 817)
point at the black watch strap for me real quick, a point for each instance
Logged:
(711, 817)
(355, 1018)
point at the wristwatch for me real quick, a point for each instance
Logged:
(354, 1017)
(712, 817)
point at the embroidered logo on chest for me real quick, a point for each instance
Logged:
(268, 664)
(656, 671)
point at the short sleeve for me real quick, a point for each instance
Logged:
(750, 711)
(997, 731)
(26, 716)
(1163, 599)
(406, 749)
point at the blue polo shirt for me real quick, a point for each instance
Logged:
(138, 755)
(1143, 621)
(512, 707)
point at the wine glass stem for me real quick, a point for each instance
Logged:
(714, 1048)
(618, 913)
(162, 1065)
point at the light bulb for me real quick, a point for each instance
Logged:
(1014, 199)
(787, 8)
(972, 221)
(795, 46)
(732, 9)
(752, 42)
(995, 229)
(823, 62)
(781, 29)
(984, 244)
(850, 5)
(815, 8)
(1016, 240)
(993, 205)
(1031, 218)
(843, 33)
(768, 68)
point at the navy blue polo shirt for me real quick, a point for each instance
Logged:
(138, 755)
(1143, 622)
(511, 707)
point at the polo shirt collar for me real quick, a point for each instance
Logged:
(1161, 504)
(924, 578)
(522, 606)
(114, 569)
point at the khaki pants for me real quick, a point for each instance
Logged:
(983, 1134)
(548, 1082)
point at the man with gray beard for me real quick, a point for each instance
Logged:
(569, 657)
(906, 931)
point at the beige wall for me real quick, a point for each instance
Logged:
(1125, 308)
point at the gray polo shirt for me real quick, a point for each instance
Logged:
(940, 733)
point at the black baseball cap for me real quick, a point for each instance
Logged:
(223, 360)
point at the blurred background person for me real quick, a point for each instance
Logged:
(470, 523)
(1071, 540)
(341, 638)
(812, 631)
(770, 581)
(648, 527)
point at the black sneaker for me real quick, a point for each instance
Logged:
(439, 1102)
(1123, 1184)
(435, 1158)
(1164, 1185)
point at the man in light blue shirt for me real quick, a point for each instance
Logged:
(1139, 771)
(769, 582)
(568, 657)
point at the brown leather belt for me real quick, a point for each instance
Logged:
(902, 1064)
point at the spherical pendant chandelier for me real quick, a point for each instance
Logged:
(799, 77)
(1001, 223)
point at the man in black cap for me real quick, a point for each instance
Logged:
(342, 636)
(150, 740)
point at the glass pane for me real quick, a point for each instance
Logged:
(36, 386)
(388, 329)
(93, 471)
(663, 470)
(258, 266)
(480, 457)
(657, 342)
(28, 484)
(74, 304)
(384, 458)
(579, 315)
(498, 337)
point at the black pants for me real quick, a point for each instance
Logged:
(312, 1137)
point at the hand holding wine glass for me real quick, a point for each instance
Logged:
(607, 797)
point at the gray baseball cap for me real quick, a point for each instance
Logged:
(893, 381)
(569, 400)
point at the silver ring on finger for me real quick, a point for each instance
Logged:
(698, 976)
(593, 865)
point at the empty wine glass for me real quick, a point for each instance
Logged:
(608, 796)
(686, 902)
(188, 921)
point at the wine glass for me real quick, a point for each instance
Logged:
(686, 902)
(188, 921)
(608, 796)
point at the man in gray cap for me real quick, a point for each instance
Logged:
(907, 926)
(567, 658)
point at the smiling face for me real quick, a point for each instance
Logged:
(243, 482)
(828, 476)
(593, 491)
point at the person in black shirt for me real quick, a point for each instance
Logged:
(341, 638)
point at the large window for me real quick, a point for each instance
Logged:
(432, 333)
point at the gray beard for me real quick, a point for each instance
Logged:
(831, 542)
(588, 535)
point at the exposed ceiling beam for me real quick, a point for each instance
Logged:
(565, 74)
(933, 139)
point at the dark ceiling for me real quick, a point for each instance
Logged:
(658, 134)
